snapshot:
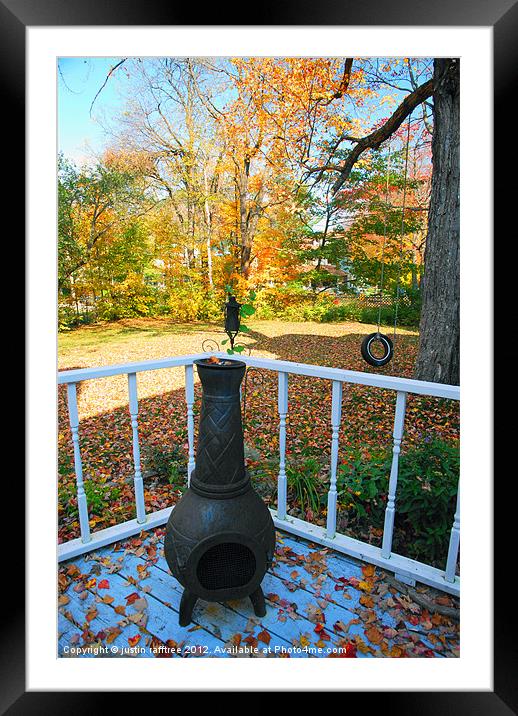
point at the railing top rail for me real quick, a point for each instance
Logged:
(78, 374)
(389, 382)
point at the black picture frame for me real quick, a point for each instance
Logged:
(502, 15)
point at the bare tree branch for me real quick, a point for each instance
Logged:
(105, 82)
(376, 138)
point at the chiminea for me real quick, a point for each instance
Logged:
(220, 537)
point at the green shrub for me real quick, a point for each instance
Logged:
(349, 310)
(68, 318)
(425, 499)
(167, 462)
(407, 315)
(99, 497)
(293, 302)
(304, 485)
(286, 301)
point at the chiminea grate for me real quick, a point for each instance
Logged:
(227, 565)
(220, 537)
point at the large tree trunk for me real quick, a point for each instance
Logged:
(249, 210)
(438, 356)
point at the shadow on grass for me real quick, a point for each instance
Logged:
(336, 351)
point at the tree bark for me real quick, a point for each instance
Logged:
(439, 332)
(208, 221)
(249, 210)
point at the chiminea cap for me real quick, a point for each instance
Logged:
(225, 363)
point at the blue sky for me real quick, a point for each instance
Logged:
(79, 79)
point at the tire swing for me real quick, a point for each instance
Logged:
(378, 339)
(369, 356)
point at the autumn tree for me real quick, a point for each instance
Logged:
(438, 357)
(277, 111)
(102, 243)
(382, 239)
(92, 202)
(165, 120)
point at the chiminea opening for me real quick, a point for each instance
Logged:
(220, 537)
(226, 565)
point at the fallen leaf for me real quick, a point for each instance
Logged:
(374, 635)
(264, 637)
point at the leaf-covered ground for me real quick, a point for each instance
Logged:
(105, 431)
(122, 601)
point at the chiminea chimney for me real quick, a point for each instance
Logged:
(220, 537)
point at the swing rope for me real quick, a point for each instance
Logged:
(382, 274)
(403, 207)
(388, 346)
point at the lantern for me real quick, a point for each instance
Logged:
(232, 318)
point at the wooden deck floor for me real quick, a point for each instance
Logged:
(121, 601)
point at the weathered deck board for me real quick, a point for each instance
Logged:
(274, 585)
(317, 602)
(218, 620)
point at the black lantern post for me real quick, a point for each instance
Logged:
(232, 319)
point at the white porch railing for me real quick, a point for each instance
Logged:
(405, 569)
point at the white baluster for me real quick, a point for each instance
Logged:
(137, 478)
(189, 399)
(453, 549)
(390, 511)
(82, 504)
(282, 486)
(336, 415)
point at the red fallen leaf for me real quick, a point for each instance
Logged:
(339, 587)
(413, 620)
(103, 584)
(264, 637)
(350, 651)
(321, 632)
(134, 640)
(132, 597)
(251, 640)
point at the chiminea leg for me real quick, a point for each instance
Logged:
(257, 599)
(187, 604)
